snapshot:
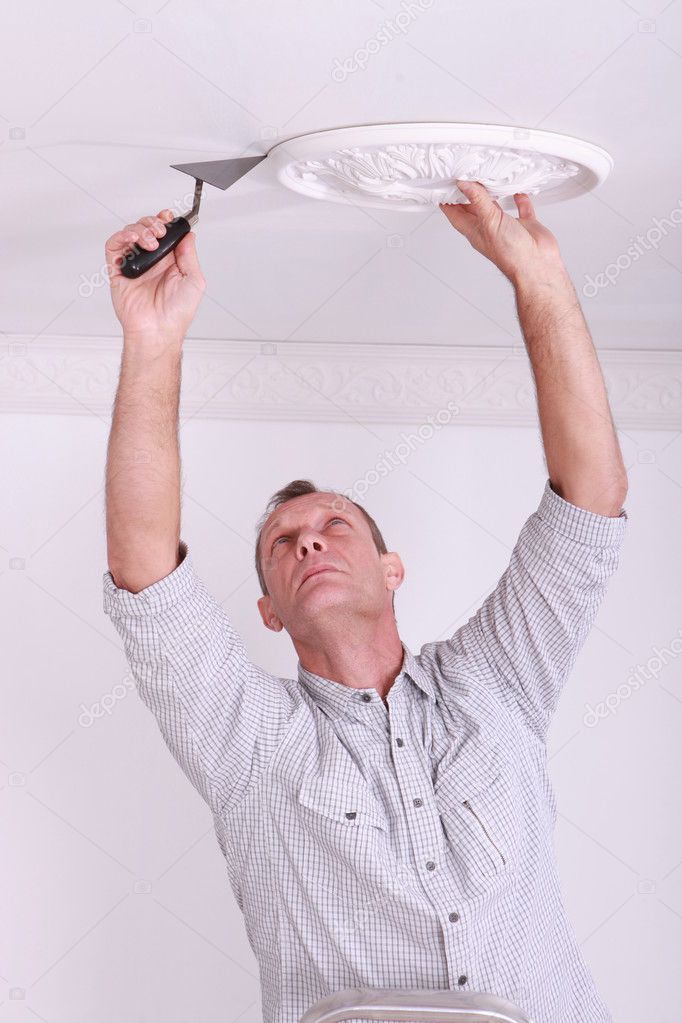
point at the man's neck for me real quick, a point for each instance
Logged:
(370, 661)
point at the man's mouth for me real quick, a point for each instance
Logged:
(316, 571)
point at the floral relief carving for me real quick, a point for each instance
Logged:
(300, 381)
(424, 173)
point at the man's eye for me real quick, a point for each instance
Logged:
(276, 542)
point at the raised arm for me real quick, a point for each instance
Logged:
(221, 716)
(143, 458)
(583, 455)
(522, 642)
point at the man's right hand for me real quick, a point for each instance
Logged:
(161, 304)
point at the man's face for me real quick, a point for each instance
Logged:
(318, 555)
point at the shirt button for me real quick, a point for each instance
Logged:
(366, 698)
(462, 979)
(453, 918)
(417, 802)
(400, 742)
(430, 865)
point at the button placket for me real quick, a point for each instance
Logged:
(426, 835)
(453, 927)
(425, 830)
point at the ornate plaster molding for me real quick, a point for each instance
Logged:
(423, 173)
(321, 382)
(413, 166)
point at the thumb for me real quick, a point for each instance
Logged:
(524, 206)
(186, 257)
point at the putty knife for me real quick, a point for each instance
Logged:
(221, 174)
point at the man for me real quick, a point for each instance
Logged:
(386, 818)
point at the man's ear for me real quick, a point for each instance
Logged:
(394, 570)
(270, 619)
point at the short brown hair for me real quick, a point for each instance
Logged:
(296, 489)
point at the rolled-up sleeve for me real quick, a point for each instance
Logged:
(221, 716)
(526, 635)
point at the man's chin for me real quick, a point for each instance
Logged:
(323, 597)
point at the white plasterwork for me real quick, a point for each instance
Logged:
(424, 174)
(323, 382)
(412, 167)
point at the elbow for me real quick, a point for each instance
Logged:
(603, 495)
(623, 483)
(617, 493)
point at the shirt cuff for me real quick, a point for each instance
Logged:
(579, 524)
(159, 596)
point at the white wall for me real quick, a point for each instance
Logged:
(88, 812)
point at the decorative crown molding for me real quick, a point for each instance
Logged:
(322, 382)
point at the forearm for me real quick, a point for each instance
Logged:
(143, 465)
(584, 460)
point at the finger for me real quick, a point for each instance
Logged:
(116, 248)
(139, 233)
(144, 232)
(155, 225)
(524, 206)
(121, 241)
(459, 215)
(149, 230)
(146, 237)
(476, 193)
(187, 259)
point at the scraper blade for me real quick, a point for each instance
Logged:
(220, 174)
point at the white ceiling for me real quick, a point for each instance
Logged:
(108, 96)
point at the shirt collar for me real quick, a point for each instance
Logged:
(340, 699)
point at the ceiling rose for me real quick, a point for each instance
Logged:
(413, 166)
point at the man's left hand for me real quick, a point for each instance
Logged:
(515, 245)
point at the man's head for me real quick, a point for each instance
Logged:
(305, 529)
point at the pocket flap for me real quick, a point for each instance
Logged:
(349, 801)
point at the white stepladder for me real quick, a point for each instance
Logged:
(409, 1004)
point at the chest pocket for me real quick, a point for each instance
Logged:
(347, 833)
(480, 813)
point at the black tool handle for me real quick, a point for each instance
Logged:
(139, 260)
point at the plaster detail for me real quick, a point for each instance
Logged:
(423, 173)
(314, 382)
(413, 166)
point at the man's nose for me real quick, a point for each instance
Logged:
(309, 543)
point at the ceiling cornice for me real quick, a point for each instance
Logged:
(325, 382)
